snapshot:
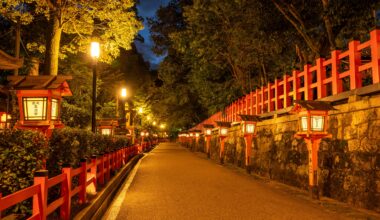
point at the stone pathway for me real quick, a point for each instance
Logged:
(173, 183)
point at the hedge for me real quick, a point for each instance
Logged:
(22, 153)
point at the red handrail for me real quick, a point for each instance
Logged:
(95, 172)
(317, 81)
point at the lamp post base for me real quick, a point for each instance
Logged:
(314, 192)
(248, 169)
(221, 161)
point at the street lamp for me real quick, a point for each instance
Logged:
(223, 131)
(312, 126)
(248, 128)
(95, 52)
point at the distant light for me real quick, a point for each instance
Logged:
(154, 123)
(148, 118)
(124, 92)
(140, 110)
(95, 49)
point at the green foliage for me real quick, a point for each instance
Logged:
(69, 145)
(21, 153)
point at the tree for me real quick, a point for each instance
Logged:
(114, 23)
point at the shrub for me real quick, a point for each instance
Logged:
(21, 153)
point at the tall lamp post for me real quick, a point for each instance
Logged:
(95, 51)
(312, 126)
(207, 131)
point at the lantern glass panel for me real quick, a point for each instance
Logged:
(35, 108)
(196, 135)
(3, 118)
(106, 131)
(304, 123)
(208, 132)
(250, 128)
(54, 109)
(223, 131)
(317, 123)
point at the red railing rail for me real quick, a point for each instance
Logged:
(97, 171)
(342, 71)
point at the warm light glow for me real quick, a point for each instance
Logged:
(148, 118)
(140, 110)
(142, 134)
(317, 123)
(106, 131)
(95, 49)
(208, 131)
(123, 92)
(154, 123)
(162, 126)
(196, 135)
(35, 108)
(250, 128)
(223, 131)
(191, 134)
(147, 134)
(3, 118)
(304, 126)
(54, 109)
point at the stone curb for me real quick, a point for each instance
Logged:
(97, 207)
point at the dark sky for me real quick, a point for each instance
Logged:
(147, 8)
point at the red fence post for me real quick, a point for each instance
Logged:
(82, 181)
(108, 165)
(101, 169)
(65, 210)
(375, 55)
(94, 169)
(40, 204)
(321, 76)
(337, 86)
(355, 61)
(296, 85)
(307, 82)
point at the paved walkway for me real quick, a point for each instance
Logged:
(173, 183)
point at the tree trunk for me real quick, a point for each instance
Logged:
(17, 43)
(53, 39)
(328, 25)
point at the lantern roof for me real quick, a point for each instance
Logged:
(254, 118)
(223, 124)
(8, 62)
(208, 126)
(41, 83)
(107, 122)
(312, 105)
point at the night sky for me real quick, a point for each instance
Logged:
(147, 8)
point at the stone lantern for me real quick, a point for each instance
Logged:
(312, 126)
(207, 132)
(39, 100)
(249, 130)
(222, 133)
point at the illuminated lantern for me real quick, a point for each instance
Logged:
(39, 99)
(312, 126)
(207, 132)
(107, 126)
(223, 132)
(249, 129)
(4, 120)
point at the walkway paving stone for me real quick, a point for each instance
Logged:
(173, 183)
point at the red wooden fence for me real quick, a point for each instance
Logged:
(343, 71)
(96, 172)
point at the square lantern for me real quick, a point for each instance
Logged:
(39, 100)
(5, 120)
(207, 129)
(249, 124)
(107, 126)
(312, 117)
(223, 128)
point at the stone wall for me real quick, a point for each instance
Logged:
(349, 163)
